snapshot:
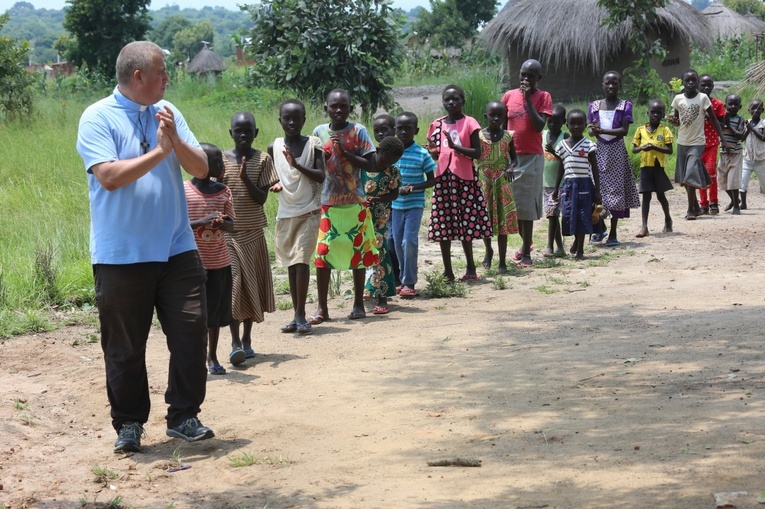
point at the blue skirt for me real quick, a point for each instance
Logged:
(576, 201)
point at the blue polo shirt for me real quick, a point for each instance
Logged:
(413, 165)
(146, 220)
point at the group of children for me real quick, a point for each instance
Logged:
(346, 205)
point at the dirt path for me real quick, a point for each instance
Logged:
(633, 379)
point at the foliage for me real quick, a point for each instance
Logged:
(164, 32)
(188, 41)
(449, 22)
(41, 27)
(641, 13)
(102, 27)
(15, 81)
(727, 59)
(755, 7)
(312, 47)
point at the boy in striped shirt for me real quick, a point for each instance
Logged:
(416, 167)
(211, 212)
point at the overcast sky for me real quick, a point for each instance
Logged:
(194, 4)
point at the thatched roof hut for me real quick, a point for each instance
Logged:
(725, 22)
(206, 61)
(575, 50)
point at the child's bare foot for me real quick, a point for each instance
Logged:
(642, 233)
(667, 226)
(573, 249)
(486, 264)
(736, 211)
(579, 256)
(548, 253)
(502, 269)
(320, 316)
(449, 278)
(357, 313)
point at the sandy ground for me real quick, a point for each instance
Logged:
(631, 379)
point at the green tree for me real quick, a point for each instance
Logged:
(188, 41)
(641, 78)
(164, 32)
(15, 81)
(450, 22)
(101, 28)
(313, 46)
(756, 7)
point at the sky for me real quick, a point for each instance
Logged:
(194, 4)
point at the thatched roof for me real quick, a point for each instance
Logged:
(569, 33)
(206, 61)
(726, 22)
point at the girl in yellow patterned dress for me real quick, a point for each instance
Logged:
(495, 173)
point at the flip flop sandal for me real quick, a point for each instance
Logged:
(316, 319)
(518, 255)
(236, 357)
(290, 327)
(304, 328)
(612, 243)
(249, 353)
(381, 310)
(407, 292)
(353, 315)
(524, 264)
(216, 370)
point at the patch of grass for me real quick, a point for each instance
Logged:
(282, 287)
(89, 339)
(603, 260)
(584, 284)
(440, 308)
(245, 459)
(545, 289)
(283, 305)
(103, 475)
(547, 263)
(177, 456)
(556, 280)
(20, 404)
(439, 288)
(499, 283)
(26, 418)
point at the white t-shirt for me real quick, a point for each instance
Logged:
(692, 112)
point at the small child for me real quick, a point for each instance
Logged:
(299, 162)
(754, 150)
(579, 166)
(690, 109)
(495, 173)
(458, 209)
(416, 168)
(708, 196)
(550, 138)
(346, 233)
(653, 141)
(731, 161)
(381, 189)
(249, 173)
(211, 212)
(384, 125)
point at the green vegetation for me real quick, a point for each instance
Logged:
(15, 83)
(448, 22)
(313, 46)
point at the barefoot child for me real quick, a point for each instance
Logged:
(249, 173)
(690, 109)
(754, 150)
(731, 161)
(610, 120)
(551, 138)
(299, 162)
(495, 173)
(381, 189)
(211, 212)
(580, 190)
(708, 196)
(346, 233)
(458, 209)
(416, 168)
(653, 142)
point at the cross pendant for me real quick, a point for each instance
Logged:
(145, 146)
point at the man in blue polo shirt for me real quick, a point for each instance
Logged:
(142, 248)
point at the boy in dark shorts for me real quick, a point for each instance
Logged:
(211, 212)
(653, 141)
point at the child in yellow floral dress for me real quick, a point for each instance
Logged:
(382, 188)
